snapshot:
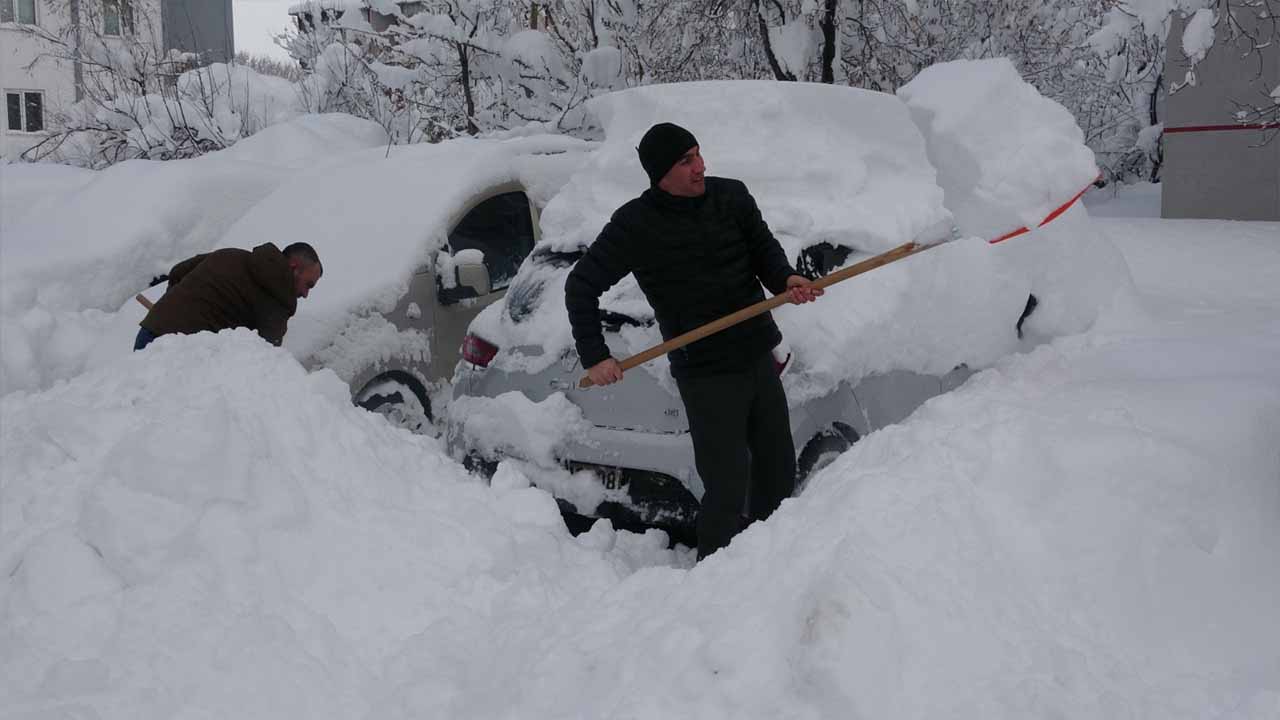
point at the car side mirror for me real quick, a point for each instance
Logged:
(469, 276)
(474, 276)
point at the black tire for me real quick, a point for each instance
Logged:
(401, 398)
(822, 449)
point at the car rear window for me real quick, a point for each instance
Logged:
(526, 290)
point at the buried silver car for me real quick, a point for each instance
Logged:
(857, 181)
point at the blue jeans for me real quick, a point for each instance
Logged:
(144, 339)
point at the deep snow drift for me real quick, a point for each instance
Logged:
(1090, 530)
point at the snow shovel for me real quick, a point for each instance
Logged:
(142, 300)
(746, 313)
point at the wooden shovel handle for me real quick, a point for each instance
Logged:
(746, 313)
(142, 299)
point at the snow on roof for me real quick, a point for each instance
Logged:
(377, 218)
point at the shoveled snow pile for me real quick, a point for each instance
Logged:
(1009, 158)
(1089, 530)
(204, 529)
(1006, 155)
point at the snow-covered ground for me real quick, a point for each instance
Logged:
(1088, 530)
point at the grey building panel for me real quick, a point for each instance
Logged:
(1213, 169)
(200, 26)
(1224, 175)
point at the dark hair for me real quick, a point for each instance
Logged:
(303, 251)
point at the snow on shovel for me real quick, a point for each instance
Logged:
(746, 313)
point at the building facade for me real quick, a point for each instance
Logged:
(42, 71)
(1216, 166)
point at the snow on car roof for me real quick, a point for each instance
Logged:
(376, 218)
(825, 163)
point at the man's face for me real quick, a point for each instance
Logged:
(305, 277)
(687, 177)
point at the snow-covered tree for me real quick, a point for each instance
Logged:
(1249, 28)
(137, 101)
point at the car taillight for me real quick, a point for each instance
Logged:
(478, 351)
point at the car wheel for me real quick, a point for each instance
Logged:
(401, 398)
(822, 449)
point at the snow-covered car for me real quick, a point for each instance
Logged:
(415, 242)
(840, 175)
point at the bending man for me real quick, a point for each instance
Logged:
(233, 288)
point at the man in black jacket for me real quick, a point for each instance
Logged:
(700, 250)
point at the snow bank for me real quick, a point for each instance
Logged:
(27, 188)
(1078, 533)
(204, 529)
(1088, 530)
(1006, 155)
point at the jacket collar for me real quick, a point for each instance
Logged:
(667, 201)
(271, 271)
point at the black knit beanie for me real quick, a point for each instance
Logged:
(661, 147)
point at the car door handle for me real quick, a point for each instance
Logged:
(562, 385)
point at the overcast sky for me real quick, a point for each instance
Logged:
(256, 21)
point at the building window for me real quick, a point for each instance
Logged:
(19, 11)
(117, 17)
(25, 110)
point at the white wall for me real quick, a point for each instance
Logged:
(26, 64)
(18, 50)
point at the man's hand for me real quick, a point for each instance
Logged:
(801, 290)
(605, 372)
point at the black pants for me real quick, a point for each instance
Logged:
(742, 447)
(143, 339)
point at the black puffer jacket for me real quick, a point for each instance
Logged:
(696, 259)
